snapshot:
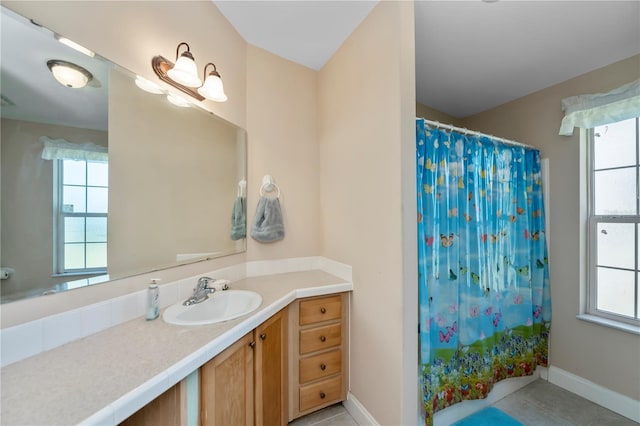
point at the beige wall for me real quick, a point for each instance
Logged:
(363, 128)
(27, 202)
(424, 111)
(603, 355)
(281, 122)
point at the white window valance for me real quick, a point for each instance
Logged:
(60, 149)
(587, 111)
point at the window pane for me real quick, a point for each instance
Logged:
(73, 256)
(615, 144)
(615, 191)
(97, 200)
(73, 229)
(616, 245)
(616, 291)
(74, 172)
(96, 229)
(97, 255)
(73, 199)
(97, 174)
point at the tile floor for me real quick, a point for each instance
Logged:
(334, 415)
(538, 404)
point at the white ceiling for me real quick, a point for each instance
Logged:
(470, 55)
(307, 32)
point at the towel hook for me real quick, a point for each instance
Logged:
(242, 188)
(268, 185)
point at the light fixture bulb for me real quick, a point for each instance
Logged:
(213, 88)
(69, 74)
(72, 44)
(185, 71)
(178, 100)
(148, 86)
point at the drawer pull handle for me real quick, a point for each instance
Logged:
(252, 344)
(323, 310)
(323, 367)
(323, 339)
(322, 395)
(263, 336)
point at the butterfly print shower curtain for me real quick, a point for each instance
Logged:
(485, 309)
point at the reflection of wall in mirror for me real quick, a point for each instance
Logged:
(160, 156)
(27, 203)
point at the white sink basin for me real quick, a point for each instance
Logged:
(220, 306)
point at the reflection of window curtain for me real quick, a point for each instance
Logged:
(60, 149)
(587, 111)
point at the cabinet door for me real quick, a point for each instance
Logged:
(164, 410)
(270, 370)
(226, 386)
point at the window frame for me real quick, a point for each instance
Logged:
(592, 225)
(59, 216)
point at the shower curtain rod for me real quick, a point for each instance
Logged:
(472, 132)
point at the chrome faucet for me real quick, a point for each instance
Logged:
(201, 292)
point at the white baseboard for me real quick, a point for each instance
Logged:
(500, 390)
(358, 411)
(544, 373)
(607, 398)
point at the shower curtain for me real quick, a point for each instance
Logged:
(485, 307)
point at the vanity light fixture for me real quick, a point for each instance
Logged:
(212, 88)
(72, 44)
(185, 71)
(184, 76)
(69, 74)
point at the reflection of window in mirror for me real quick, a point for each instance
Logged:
(80, 216)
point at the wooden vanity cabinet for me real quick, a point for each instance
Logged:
(291, 365)
(246, 383)
(167, 409)
(271, 370)
(226, 386)
(318, 339)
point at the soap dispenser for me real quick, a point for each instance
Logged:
(153, 302)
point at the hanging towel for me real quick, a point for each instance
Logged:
(238, 220)
(267, 225)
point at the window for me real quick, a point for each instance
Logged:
(614, 221)
(80, 216)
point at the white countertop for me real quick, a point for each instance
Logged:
(106, 377)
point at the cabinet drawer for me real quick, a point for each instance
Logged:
(319, 366)
(318, 338)
(320, 393)
(323, 309)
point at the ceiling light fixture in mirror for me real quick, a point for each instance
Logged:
(69, 74)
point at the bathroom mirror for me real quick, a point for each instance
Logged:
(130, 183)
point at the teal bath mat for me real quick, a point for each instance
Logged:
(489, 416)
